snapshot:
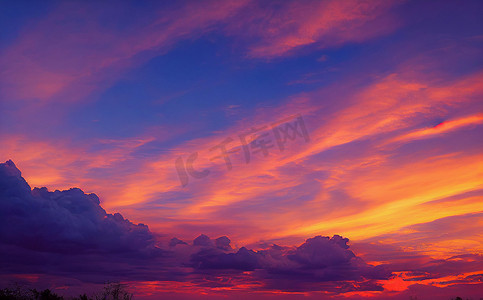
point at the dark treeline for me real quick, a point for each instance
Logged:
(111, 291)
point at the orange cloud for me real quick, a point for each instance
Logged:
(323, 24)
(442, 128)
(48, 63)
(382, 193)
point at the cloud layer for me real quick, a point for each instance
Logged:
(108, 100)
(68, 234)
(51, 232)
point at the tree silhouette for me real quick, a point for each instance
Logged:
(114, 291)
(82, 297)
(18, 293)
(111, 291)
(46, 295)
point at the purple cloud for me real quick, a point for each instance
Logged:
(64, 221)
(69, 233)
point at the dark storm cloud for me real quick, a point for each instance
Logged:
(321, 263)
(69, 233)
(64, 221)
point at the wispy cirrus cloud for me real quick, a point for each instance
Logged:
(49, 63)
(321, 24)
(66, 63)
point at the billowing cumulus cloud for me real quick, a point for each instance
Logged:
(67, 231)
(64, 221)
(318, 260)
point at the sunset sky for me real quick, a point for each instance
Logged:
(336, 144)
